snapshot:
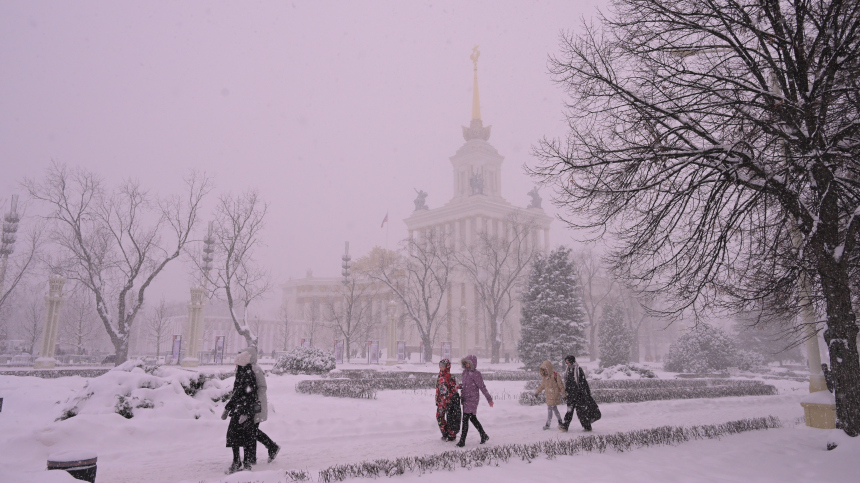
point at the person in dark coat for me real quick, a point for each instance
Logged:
(578, 395)
(828, 377)
(446, 388)
(472, 382)
(241, 409)
(263, 414)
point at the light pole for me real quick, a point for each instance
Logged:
(195, 307)
(463, 331)
(392, 332)
(7, 246)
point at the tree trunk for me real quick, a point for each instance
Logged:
(841, 338)
(592, 342)
(428, 348)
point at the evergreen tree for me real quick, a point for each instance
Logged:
(615, 336)
(553, 319)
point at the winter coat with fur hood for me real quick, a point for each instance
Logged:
(473, 382)
(552, 383)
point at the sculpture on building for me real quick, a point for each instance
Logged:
(419, 200)
(536, 199)
(477, 183)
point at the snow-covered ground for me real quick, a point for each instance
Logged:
(168, 445)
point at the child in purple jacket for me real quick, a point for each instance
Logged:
(472, 382)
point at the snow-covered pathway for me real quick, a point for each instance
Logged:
(314, 431)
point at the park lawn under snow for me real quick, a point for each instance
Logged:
(166, 443)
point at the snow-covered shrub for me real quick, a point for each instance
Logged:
(553, 319)
(304, 360)
(622, 371)
(746, 360)
(615, 337)
(702, 349)
(130, 391)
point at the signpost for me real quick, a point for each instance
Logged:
(177, 347)
(401, 351)
(219, 349)
(338, 352)
(446, 350)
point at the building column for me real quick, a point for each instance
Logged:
(546, 240)
(192, 344)
(54, 301)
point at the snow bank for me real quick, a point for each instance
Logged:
(132, 390)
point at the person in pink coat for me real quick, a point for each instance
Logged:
(472, 383)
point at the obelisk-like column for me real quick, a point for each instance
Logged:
(193, 333)
(54, 301)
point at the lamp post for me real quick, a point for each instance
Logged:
(195, 307)
(463, 331)
(392, 332)
(7, 241)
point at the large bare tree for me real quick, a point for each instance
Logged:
(158, 326)
(718, 142)
(596, 286)
(238, 276)
(495, 263)
(115, 241)
(418, 277)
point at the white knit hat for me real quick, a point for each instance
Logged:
(243, 359)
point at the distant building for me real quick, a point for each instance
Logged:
(476, 205)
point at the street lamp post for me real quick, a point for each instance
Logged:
(7, 242)
(392, 333)
(463, 331)
(195, 307)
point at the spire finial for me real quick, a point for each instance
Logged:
(476, 101)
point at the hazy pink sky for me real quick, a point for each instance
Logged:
(335, 111)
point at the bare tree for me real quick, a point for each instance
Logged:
(595, 288)
(31, 319)
(80, 322)
(158, 324)
(418, 278)
(719, 143)
(496, 265)
(286, 327)
(239, 221)
(115, 242)
(349, 318)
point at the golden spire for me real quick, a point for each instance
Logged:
(476, 102)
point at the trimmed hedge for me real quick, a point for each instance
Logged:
(633, 394)
(483, 456)
(655, 383)
(337, 388)
(55, 373)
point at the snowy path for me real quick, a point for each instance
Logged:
(314, 431)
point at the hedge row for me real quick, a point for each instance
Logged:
(528, 398)
(337, 388)
(657, 383)
(488, 376)
(483, 456)
(55, 373)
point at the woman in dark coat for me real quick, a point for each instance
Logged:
(578, 395)
(241, 408)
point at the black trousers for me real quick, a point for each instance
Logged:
(580, 413)
(465, 429)
(251, 451)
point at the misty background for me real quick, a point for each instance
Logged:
(334, 111)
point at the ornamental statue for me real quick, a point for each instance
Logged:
(419, 200)
(536, 199)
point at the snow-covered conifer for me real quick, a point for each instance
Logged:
(615, 336)
(553, 320)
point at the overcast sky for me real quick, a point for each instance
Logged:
(335, 111)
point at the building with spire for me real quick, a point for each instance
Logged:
(476, 206)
